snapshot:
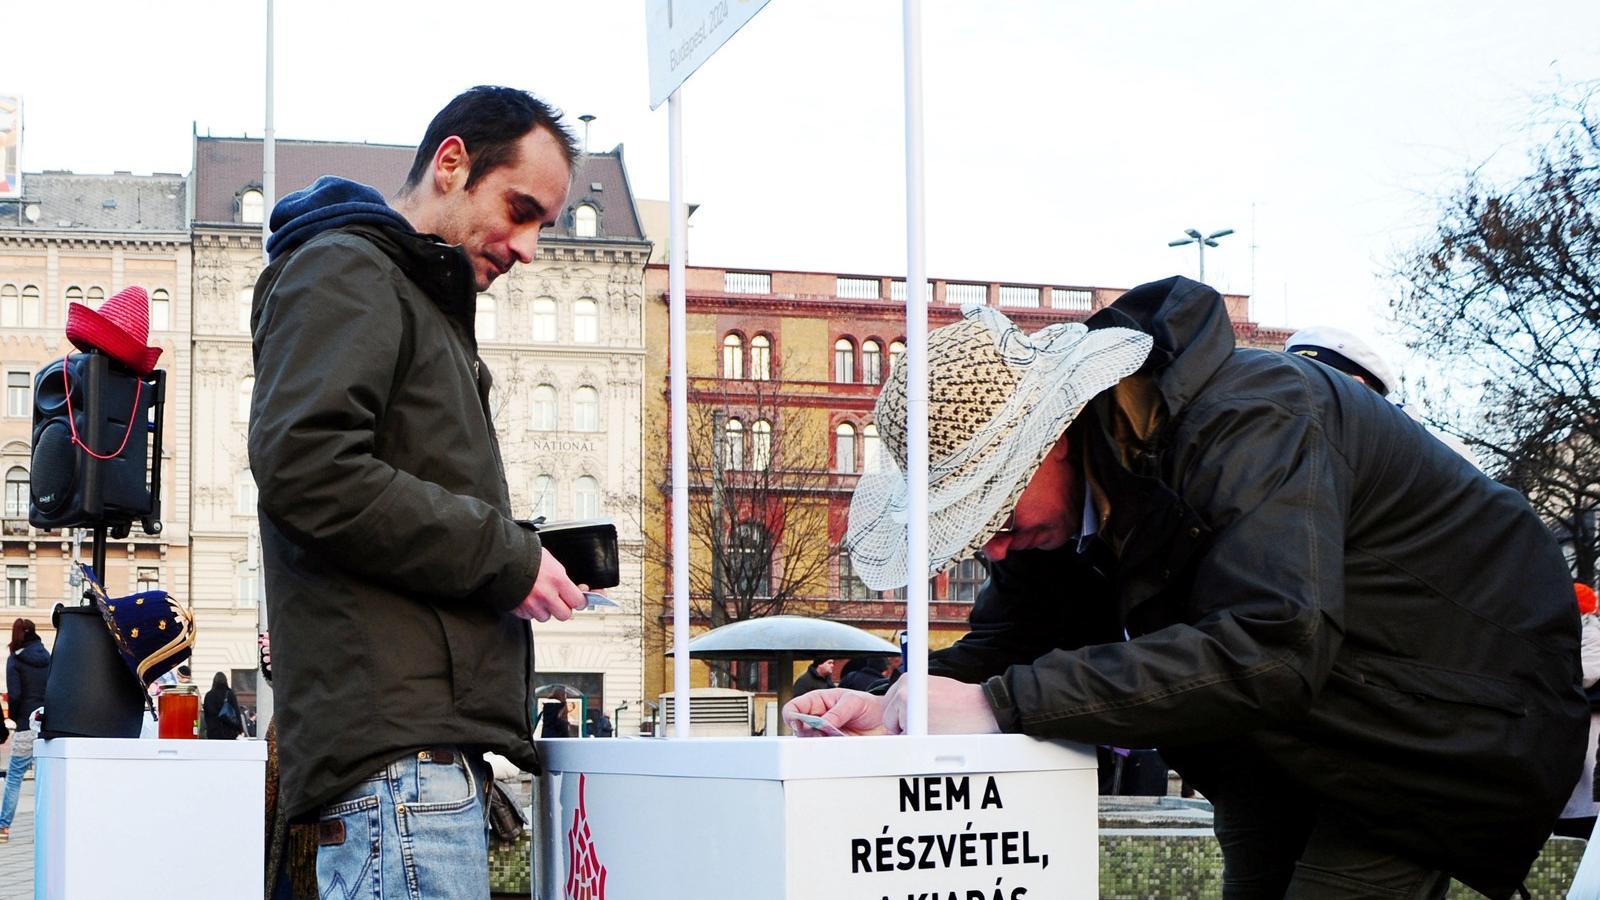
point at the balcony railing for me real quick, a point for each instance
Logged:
(747, 282)
(858, 289)
(1011, 295)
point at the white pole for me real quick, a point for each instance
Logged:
(916, 388)
(677, 321)
(264, 705)
(269, 163)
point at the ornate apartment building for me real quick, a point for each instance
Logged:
(776, 358)
(563, 335)
(82, 238)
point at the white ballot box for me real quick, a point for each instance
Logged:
(157, 819)
(860, 818)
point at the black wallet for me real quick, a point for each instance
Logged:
(588, 550)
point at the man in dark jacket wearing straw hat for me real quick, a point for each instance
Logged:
(1359, 648)
(399, 584)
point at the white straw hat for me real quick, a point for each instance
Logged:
(998, 399)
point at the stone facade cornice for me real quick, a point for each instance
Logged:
(155, 243)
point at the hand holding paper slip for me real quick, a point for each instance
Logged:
(834, 712)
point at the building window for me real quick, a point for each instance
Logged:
(733, 444)
(146, 579)
(851, 587)
(485, 323)
(95, 295)
(16, 585)
(32, 309)
(586, 409)
(252, 207)
(585, 497)
(844, 361)
(544, 319)
(241, 400)
(74, 294)
(897, 352)
(749, 556)
(19, 310)
(761, 445)
(544, 496)
(544, 408)
(732, 356)
(244, 488)
(246, 585)
(871, 362)
(966, 579)
(244, 300)
(160, 310)
(869, 448)
(19, 394)
(844, 447)
(760, 358)
(586, 322)
(16, 493)
(585, 221)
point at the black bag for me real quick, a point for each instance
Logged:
(587, 549)
(506, 824)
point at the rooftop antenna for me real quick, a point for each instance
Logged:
(586, 118)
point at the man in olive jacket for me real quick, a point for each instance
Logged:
(1363, 651)
(398, 583)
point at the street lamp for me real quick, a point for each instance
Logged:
(586, 118)
(1201, 243)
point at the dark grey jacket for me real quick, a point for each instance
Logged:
(1310, 579)
(392, 560)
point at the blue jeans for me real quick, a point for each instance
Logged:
(21, 762)
(415, 829)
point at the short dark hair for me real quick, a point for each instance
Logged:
(490, 120)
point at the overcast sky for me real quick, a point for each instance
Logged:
(1067, 143)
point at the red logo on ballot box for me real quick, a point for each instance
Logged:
(586, 878)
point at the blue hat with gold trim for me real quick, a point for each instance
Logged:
(153, 632)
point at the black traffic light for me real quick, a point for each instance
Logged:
(94, 461)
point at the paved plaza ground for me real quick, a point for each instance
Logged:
(16, 857)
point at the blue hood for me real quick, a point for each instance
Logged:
(328, 203)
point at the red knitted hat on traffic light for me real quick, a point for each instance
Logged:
(1586, 597)
(120, 328)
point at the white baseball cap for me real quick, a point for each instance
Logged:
(1339, 349)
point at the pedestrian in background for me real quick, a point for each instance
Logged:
(865, 673)
(553, 716)
(26, 672)
(223, 722)
(1578, 816)
(816, 677)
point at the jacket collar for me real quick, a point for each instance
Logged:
(442, 270)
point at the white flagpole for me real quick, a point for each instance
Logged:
(916, 388)
(264, 703)
(269, 161)
(677, 322)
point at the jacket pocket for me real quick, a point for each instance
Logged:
(1426, 682)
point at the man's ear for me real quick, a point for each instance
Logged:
(451, 164)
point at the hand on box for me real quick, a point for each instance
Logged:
(852, 712)
(553, 595)
(954, 707)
